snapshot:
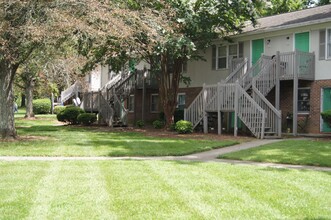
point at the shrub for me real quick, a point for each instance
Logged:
(172, 127)
(69, 115)
(326, 115)
(184, 127)
(140, 124)
(158, 124)
(87, 118)
(41, 106)
(58, 109)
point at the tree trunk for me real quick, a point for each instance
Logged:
(23, 100)
(29, 98)
(7, 125)
(169, 85)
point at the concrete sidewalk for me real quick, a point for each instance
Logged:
(208, 156)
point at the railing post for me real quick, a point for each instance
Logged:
(185, 112)
(91, 101)
(295, 96)
(236, 100)
(205, 116)
(279, 126)
(219, 119)
(277, 89)
(263, 125)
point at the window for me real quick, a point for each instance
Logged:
(221, 55)
(131, 103)
(329, 44)
(303, 100)
(325, 44)
(181, 101)
(154, 103)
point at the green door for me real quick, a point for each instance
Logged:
(302, 41)
(257, 49)
(326, 106)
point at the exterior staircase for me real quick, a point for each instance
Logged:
(108, 101)
(244, 92)
(70, 92)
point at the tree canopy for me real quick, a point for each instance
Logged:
(161, 32)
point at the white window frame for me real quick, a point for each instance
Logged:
(228, 56)
(130, 101)
(181, 94)
(151, 104)
(304, 112)
(327, 44)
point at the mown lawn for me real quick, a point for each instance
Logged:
(41, 137)
(160, 190)
(302, 152)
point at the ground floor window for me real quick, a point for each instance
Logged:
(131, 103)
(155, 103)
(304, 100)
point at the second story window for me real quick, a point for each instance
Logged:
(222, 55)
(325, 44)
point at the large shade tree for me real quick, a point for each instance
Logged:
(184, 27)
(28, 27)
(165, 33)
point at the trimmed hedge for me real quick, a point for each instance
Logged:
(184, 127)
(70, 114)
(140, 124)
(158, 124)
(58, 109)
(41, 106)
(87, 118)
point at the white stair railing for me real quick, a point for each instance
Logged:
(105, 110)
(194, 113)
(70, 92)
(249, 112)
(238, 72)
(266, 79)
(273, 116)
(246, 80)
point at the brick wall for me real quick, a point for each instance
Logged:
(307, 123)
(190, 93)
(138, 101)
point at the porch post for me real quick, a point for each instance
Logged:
(205, 116)
(91, 101)
(236, 99)
(143, 101)
(99, 107)
(219, 115)
(295, 96)
(277, 89)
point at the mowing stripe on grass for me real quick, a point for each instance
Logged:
(45, 194)
(204, 189)
(284, 194)
(74, 190)
(191, 199)
(98, 188)
(140, 194)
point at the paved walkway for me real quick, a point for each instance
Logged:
(208, 156)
